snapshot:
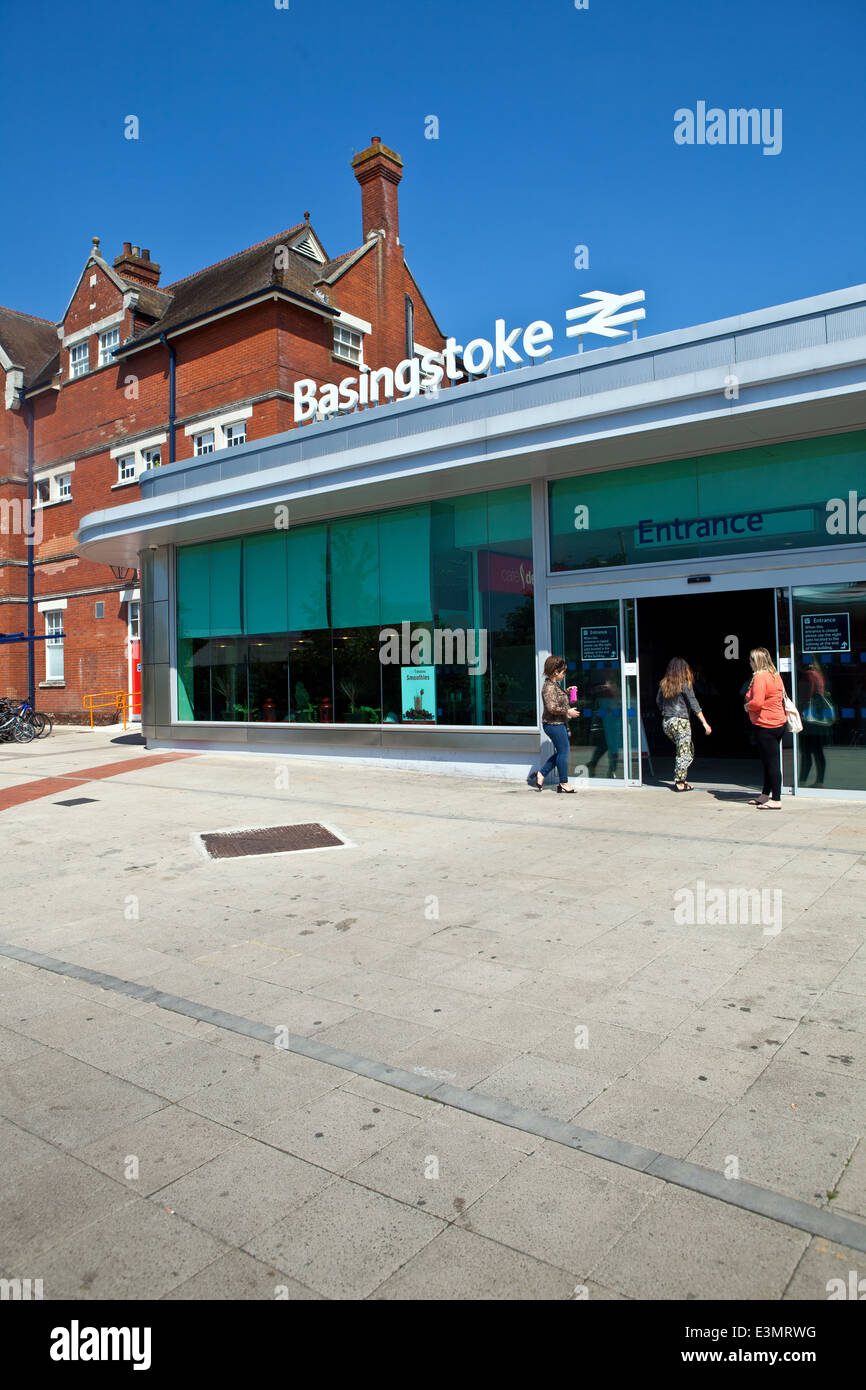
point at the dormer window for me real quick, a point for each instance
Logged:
(204, 442)
(79, 359)
(235, 434)
(108, 341)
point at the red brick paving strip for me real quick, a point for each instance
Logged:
(49, 786)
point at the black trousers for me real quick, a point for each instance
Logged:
(769, 742)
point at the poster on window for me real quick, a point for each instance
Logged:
(418, 694)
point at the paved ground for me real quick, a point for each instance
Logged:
(484, 939)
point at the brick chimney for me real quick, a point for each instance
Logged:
(378, 171)
(135, 264)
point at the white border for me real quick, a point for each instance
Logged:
(198, 842)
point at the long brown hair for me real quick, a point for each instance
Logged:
(676, 677)
(763, 661)
(552, 665)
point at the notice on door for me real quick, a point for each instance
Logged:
(599, 644)
(418, 692)
(826, 632)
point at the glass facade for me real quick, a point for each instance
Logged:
(588, 637)
(776, 497)
(830, 647)
(290, 626)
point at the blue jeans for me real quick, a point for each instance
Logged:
(558, 733)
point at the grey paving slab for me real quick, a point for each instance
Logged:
(437, 1166)
(448, 1056)
(559, 1215)
(828, 1047)
(604, 1048)
(789, 1156)
(829, 1272)
(345, 1242)
(700, 1068)
(337, 1131)
(551, 1088)
(662, 1118)
(165, 1145)
(139, 1251)
(93, 1109)
(238, 1276)
(42, 1205)
(852, 1183)
(242, 1190)
(15, 1047)
(819, 1098)
(20, 1150)
(461, 1265)
(683, 1247)
(504, 1020)
(250, 1097)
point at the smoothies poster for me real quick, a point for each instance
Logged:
(418, 694)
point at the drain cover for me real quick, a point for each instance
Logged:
(275, 839)
(76, 801)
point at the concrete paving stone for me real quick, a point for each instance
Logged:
(251, 1095)
(180, 1069)
(817, 1097)
(460, 1265)
(687, 1246)
(14, 1047)
(136, 1252)
(826, 945)
(539, 1084)
(448, 1056)
(40, 1077)
(35, 1010)
(465, 940)
(242, 1190)
(44, 1204)
(20, 1150)
(785, 993)
(485, 978)
(418, 963)
(797, 1159)
(347, 1241)
(90, 1109)
(182, 1023)
(701, 1069)
(572, 930)
(852, 1183)
(822, 1263)
(166, 1145)
(438, 1167)
(547, 989)
(728, 1024)
(836, 1007)
(432, 1005)
(564, 1217)
(238, 1276)
(829, 1047)
(337, 1131)
(666, 1119)
(852, 976)
(504, 1020)
(680, 979)
(630, 1007)
(581, 1162)
(606, 1049)
(116, 1043)
(375, 1036)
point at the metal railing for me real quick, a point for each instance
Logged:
(120, 700)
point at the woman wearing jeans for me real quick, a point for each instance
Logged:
(557, 712)
(765, 706)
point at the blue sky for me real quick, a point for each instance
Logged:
(555, 130)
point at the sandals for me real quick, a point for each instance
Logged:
(686, 787)
(758, 800)
(768, 805)
(561, 788)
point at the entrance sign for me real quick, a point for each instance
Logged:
(826, 632)
(425, 372)
(599, 644)
(418, 694)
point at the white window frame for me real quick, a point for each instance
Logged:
(218, 425)
(79, 361)
(133, 618)
(54, 645)
(127, 469)
(345, 345)
(204, 443)
(107, 341)
(50, 478)
(235, 433)
(64, 487)
(141, 452)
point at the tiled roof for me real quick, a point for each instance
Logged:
(28, 341)
(237, 278)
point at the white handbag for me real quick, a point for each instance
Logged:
(795, 723)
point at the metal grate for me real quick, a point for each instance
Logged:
(76, 801)
(276, 839)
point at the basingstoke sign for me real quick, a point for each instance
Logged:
(425, 373)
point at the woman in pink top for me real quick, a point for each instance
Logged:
(765, 706)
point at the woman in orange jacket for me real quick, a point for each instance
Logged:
(765, 706)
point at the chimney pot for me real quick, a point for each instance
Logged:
(127, 248)
(145, 255)
(136, 251)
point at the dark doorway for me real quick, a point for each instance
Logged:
(701, 628)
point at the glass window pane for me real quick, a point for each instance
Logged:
(225, 588)
(193, 591)
(357, 676)
(308, 578)
(404, 566)
(831, 685)
(266, 597)
(355, 572)
(596, 736)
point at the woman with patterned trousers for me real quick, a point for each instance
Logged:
(675, 697)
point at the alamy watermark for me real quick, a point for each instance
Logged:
(438, 646)
(737, 126)
(703, 906)
(20, 518)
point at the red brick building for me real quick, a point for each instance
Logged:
(137, 374)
